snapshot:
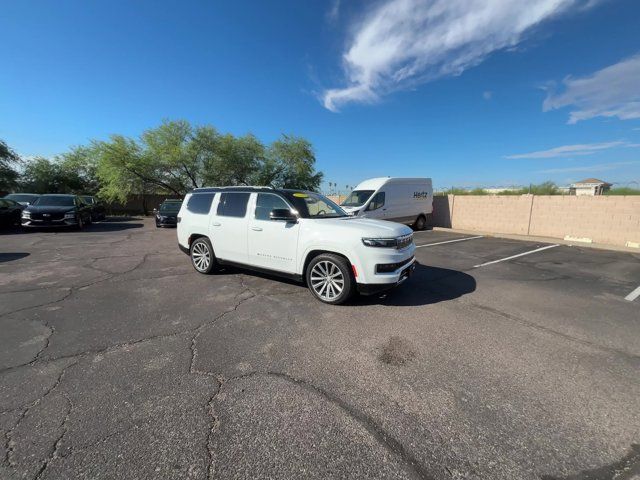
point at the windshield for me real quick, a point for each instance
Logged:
(21, 197)
(170, 207)
(54, 201)
(314, 205)
(357, 198)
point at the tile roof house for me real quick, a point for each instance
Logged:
(589, 186)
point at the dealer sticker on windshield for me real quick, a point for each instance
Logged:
(300, 195)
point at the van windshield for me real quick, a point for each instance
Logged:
(357, 198)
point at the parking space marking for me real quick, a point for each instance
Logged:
(516, 256)
(633, 295)
(448, 241)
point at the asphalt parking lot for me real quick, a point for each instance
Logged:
(118, 360)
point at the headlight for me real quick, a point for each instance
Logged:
(26, 214)
(380, 242)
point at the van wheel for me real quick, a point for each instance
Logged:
(202, 257)
(330, 279)
(420, 223)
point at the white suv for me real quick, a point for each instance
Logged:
(298, 234)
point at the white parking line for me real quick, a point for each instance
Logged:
(516, 256)
(448, 241)
(633, 295)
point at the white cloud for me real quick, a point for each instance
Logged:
(334, 11)
(613, 91)
(401, 43)
(573, 150)
(603, 167)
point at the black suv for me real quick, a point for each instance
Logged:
(55, 210)
(167, 213)
(98, 210)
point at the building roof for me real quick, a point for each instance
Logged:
(592, 181)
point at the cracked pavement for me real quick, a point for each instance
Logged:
(118, 360)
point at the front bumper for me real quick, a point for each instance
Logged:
(402, 275)
(166, 221)
(27, 222)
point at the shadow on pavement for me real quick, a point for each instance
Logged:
(427, 285)
(111, 224)
(11, 256)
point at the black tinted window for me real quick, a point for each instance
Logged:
(233, 204)
(267, 202)
(199, 202)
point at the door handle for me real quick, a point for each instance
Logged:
(216, 224)
(256, 229)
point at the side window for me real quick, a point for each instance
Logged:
(377, 201)
(233, 204)
(200, 203)
(267, 202)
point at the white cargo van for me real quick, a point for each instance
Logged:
(402, 200)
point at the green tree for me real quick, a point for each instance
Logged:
(81, 162)
(176, 157)
(290, 163)
(42, 175)
(9, 162)
(234, 160)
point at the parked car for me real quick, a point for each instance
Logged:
(98, 210)
(404, 200)
(57, 210)
(167, 213)
(22, 198)
(10, 212)
(295, 233)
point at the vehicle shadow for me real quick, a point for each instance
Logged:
(111, 224)
(11, 256)
(426, 286)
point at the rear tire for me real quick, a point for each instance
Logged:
(202, 256)
(330, 278)
(420, 223)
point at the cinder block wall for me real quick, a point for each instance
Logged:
(503, 213)
(612, 220)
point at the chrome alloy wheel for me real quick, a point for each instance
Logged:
(327, 280)
(201, 256)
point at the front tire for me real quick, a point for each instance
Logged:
(330, 279)
(202, 256)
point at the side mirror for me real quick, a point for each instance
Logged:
(283, 214)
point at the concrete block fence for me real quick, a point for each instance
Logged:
(611, 220)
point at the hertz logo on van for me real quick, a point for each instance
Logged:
(420, 194)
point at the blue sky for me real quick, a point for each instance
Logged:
(469, 92)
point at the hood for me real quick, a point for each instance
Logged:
(351, 209)
(49, 208)
(367, 227)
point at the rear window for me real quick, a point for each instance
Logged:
(233, 204)
(200, 203)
